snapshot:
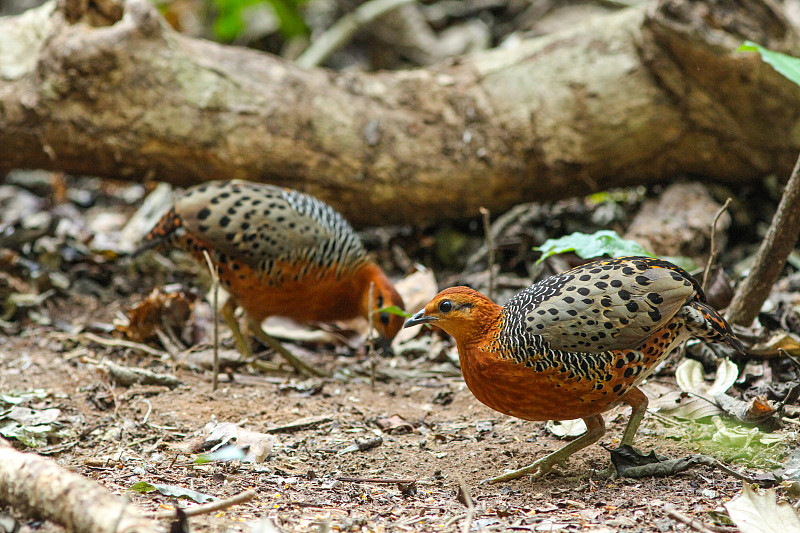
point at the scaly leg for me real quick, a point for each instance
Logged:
(638, 402)
(595, 428)
(292, 359)
(227, 312)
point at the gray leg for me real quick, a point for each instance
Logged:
(595, 428)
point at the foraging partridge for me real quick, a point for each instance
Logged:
(576, 344)
(279, 252)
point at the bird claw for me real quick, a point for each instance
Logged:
(609, 472)
(535, 471)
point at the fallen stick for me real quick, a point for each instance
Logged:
(207, 508)
(125, 344)
(39, 488)
(128, 375)
(376, 480)
(693, 523)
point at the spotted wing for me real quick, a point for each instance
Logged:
(257, 223)
(605, 305)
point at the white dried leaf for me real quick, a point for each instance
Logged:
(566, 428)
(689, 375)
(761, 513)
(727, 374)
(257, 446)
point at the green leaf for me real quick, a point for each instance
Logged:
(228, 26)
(587, 246)
(16, 399)
(787, 65)
(393, 310)
(231, 15)
(292, 23)
(144, 487)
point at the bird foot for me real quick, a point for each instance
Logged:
(297, 364)
(535, 471)
(609, 472)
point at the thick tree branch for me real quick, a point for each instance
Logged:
(620, 100)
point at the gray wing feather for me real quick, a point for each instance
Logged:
(595, 317)
(255, 222)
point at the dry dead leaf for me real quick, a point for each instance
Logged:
(681, 404)
(159, 310)
(780, 340)
(395, 425)
(761, 513)
(257, 446)
(416, 289)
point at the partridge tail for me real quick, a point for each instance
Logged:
(166, 229)
(706, 323)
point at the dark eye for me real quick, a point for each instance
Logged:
(446, 306)
(384, 318)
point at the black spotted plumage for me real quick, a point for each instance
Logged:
(264, 226)
(651, 297)
(279, 252)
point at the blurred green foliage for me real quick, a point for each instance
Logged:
(230, 22)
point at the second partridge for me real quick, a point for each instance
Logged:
(279, 252)
(576, 344)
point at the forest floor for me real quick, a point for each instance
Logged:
(346, 453)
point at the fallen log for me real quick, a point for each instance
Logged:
(108, 89)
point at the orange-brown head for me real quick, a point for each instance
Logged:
(464, 313)
(383, 295)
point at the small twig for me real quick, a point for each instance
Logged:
(714, 252)
(664, 419)
(207, 508)
(128, 375)
(371, 342)
(467, 500)
(387, 480)
(487, 230)
(707, 460)
(301, 424)
(215, 291)
(412, 521)
(789, 356)
(453, 519)
(691, 522)
(149, 410)
(343, 30)
(168, 343)
(120, 343)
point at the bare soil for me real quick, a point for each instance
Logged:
(129, 434)
(317, 478)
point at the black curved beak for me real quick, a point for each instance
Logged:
(419, 318)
